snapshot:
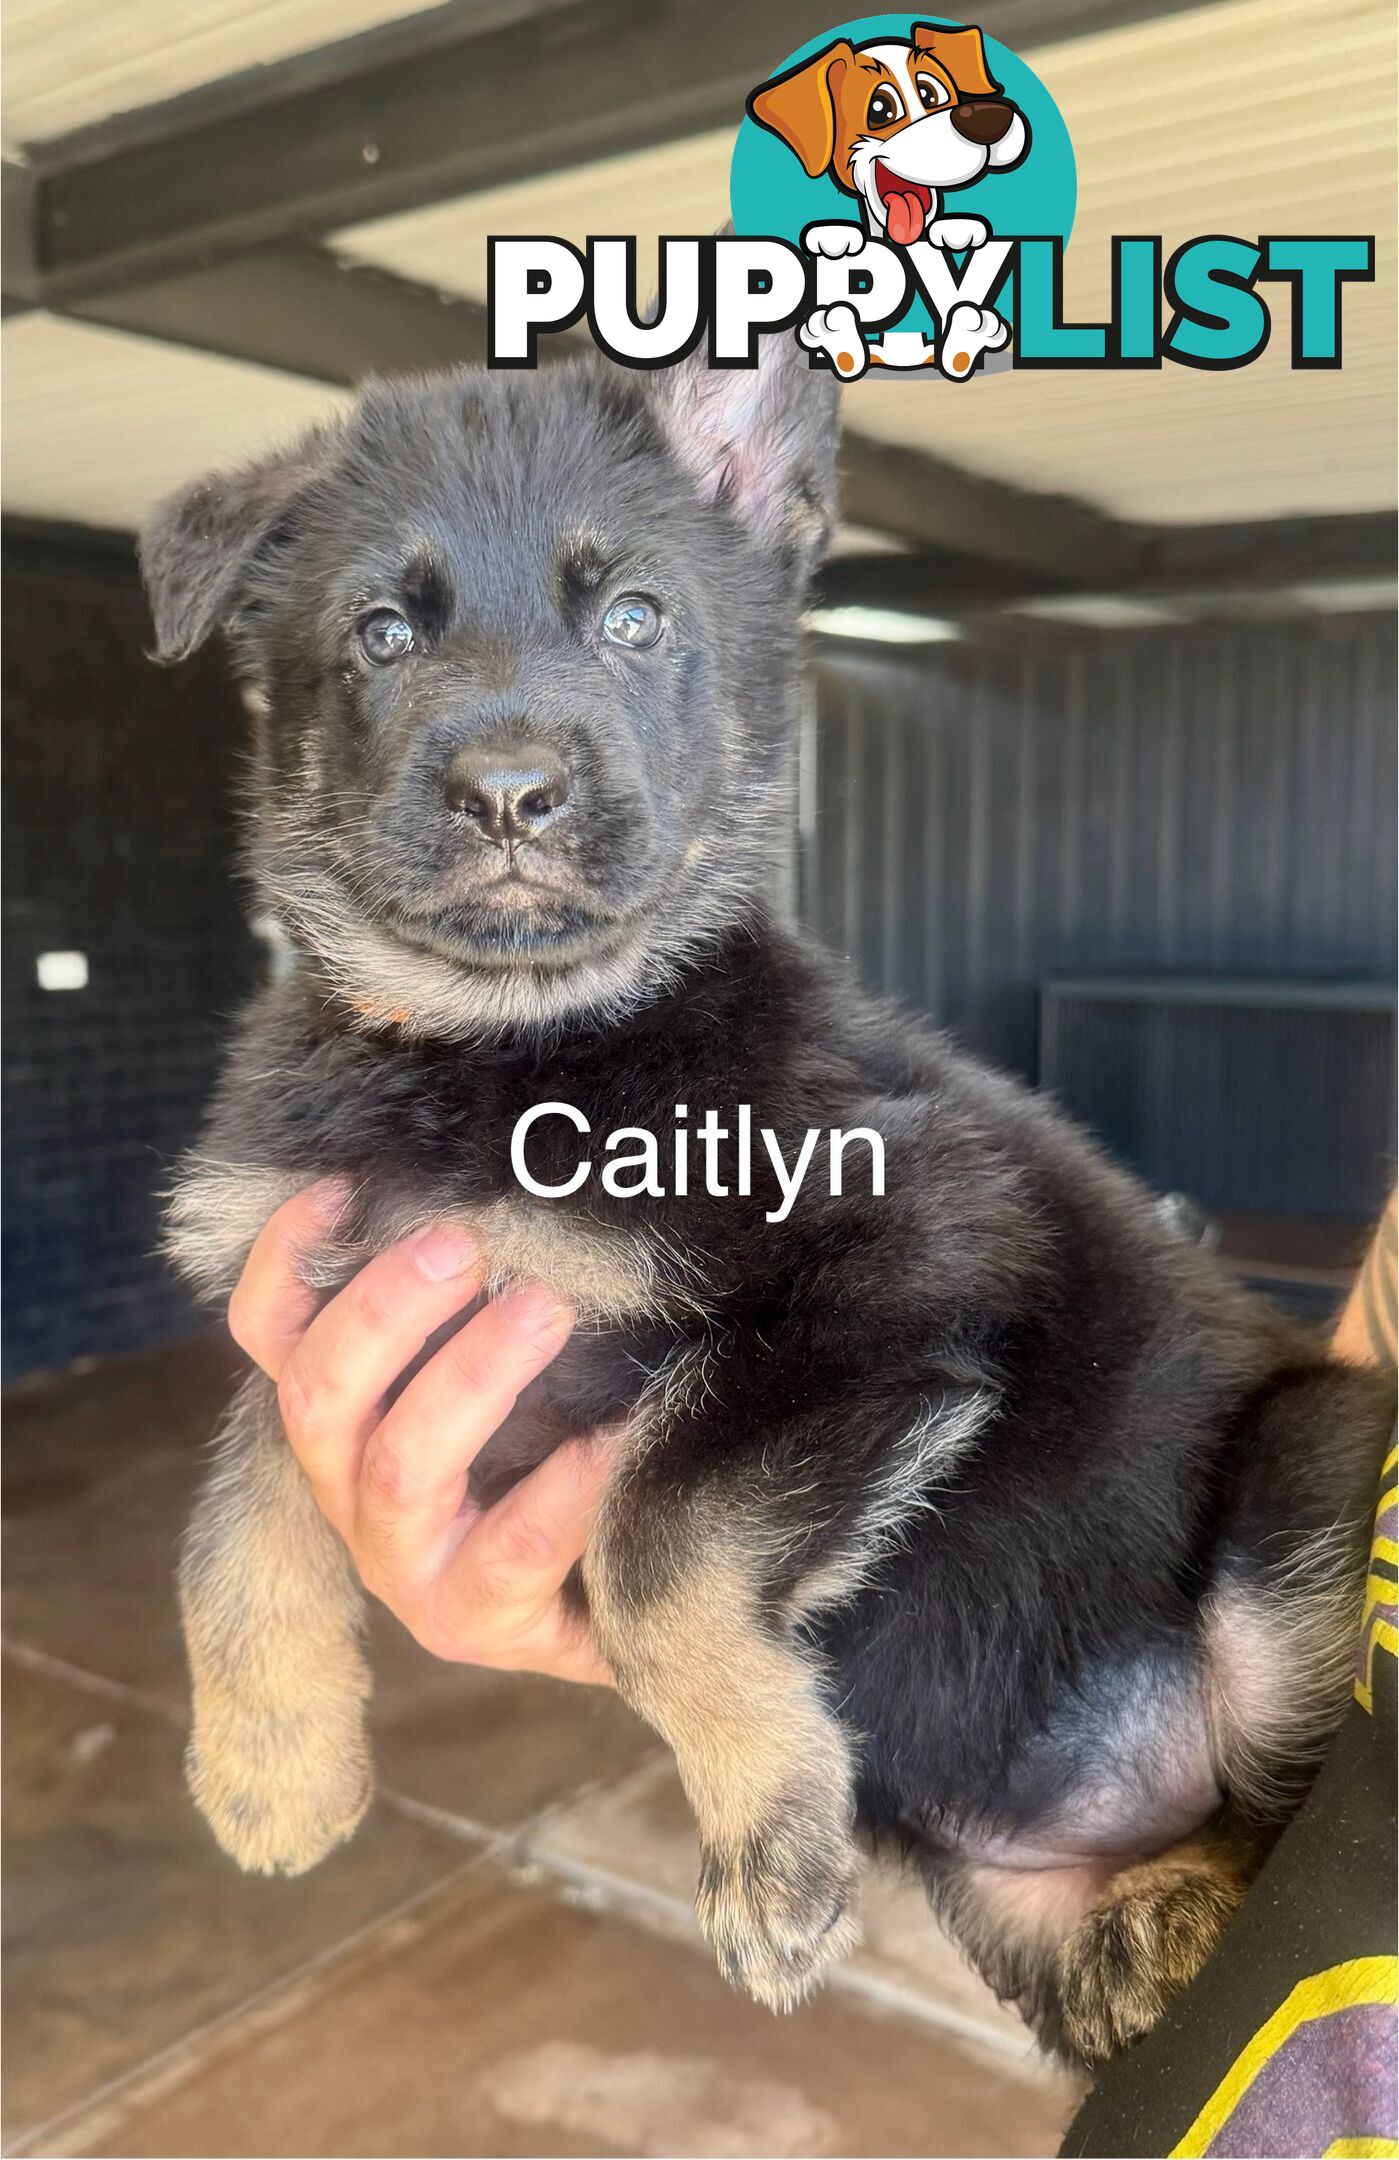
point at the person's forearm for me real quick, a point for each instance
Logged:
(1365, 1334)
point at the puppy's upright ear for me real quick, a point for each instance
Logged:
(760, 441)
(199, 546)
(800, 106)
(962, 53)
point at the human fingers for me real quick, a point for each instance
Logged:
(272, 1305)
(333, 1382)
(413, 1475)
(498, 1601)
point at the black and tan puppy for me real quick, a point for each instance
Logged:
(980, 1518)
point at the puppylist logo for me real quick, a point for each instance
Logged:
(902, 193)
(909, 129)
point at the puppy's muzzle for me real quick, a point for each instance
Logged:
(983, 120)
(510, 796)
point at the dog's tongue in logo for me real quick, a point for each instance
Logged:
(906, 206)
(905, 218)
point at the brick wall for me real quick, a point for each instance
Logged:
(118, 846)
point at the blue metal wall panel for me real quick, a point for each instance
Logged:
(1197, 801)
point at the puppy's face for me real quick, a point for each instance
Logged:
(520, 651)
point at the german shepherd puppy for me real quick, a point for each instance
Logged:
(982, 1519)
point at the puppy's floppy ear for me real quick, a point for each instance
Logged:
(800, 105)
(761, 441)
(198, 546)
(962, 53)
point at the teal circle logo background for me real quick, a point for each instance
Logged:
(770, 192)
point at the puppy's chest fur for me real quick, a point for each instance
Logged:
(423, 1132)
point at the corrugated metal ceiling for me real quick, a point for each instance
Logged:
(1257, 116)
(98, 426)
(1247, 116)
(70, 62)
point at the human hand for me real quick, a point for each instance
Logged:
(479, 1586)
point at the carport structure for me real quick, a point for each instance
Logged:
(216, 226)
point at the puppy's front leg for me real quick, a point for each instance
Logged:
(676, 1594)
(278, 1759)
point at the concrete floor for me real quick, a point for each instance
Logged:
(502, 1962)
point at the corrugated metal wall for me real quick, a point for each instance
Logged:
(1257, 1097)
(1196, 801)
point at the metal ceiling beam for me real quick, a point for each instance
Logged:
(445, 104)
(974, 542)
(1150, 561)
(921, 499)
(1272, 552)
(18, 236)
(195, 222)
(302, 310)
(299, 309)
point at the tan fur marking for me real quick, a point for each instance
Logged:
(764, 1764)
(278, 1759)
(218, 1208)
(1279, 1656)
(1147, 1939)
(608, 1275)
(216, 1211)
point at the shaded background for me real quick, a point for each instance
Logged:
(1097, 768)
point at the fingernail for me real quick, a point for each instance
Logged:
(443, 1251)
(537, 1310)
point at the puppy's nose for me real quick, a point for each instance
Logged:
(983, 120)
(511, 795)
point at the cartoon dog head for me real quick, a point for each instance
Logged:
(897, 121)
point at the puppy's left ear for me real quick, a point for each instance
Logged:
(760, 441)
(199, 547)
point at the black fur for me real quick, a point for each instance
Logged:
(1026, 1629)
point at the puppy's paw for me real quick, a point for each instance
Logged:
(779, 1908)
(966, 335)
(835, 240)
(1121, 1966)
(278, 1800)
(836, 332)
(958, 233)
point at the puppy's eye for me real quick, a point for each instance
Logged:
(633, 620)
(385, 636)
(886, 106)
(931, 93)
